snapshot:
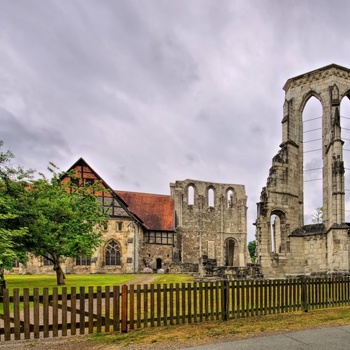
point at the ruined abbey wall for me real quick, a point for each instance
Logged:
(306, 249)
(211, 221)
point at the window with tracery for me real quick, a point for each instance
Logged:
(112, 253)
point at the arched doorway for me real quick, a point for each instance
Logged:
(230, 252)
(159, 263)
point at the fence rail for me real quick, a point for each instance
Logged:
(124, 308)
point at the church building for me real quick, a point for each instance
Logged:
(168, 232)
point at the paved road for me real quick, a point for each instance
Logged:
(331, 338)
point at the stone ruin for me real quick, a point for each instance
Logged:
(287, 247)
(210, 270)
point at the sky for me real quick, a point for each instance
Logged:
(150, 92)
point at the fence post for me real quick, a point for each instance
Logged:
(124, 323)
(6, 310)
(224, 304)
(304, 295)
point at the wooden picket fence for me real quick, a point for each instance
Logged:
(124, 308)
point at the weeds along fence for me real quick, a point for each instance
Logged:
(30, 315)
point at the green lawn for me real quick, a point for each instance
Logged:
(49, 281)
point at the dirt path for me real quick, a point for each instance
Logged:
(142, 279)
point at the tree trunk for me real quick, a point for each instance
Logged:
(60, 277)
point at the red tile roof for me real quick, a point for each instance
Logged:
(156, 211)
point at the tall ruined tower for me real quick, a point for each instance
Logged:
(299, 248)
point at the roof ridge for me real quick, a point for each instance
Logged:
(152, 194)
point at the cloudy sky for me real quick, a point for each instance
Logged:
(153, 91)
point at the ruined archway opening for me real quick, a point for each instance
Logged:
(229, 198)
(278, 232)
(274, 219)
(345, 136)
(230, 252)
(312, 159)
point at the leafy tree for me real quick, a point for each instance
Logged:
(317, 216)
(252, 248)
(13, 181)
(63, 220)
(10, 250)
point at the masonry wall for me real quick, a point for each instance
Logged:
(208, 215)
(128, 236)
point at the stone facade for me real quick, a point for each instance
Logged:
(289, 247)
(211, 221)
(161, 232)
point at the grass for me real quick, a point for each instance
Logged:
(171, 337)
(49, 281)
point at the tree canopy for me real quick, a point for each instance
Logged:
(317, 216)
(46, 217)
(63, 219)
(13, 181)
(251, 249)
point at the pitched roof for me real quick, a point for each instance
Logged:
(83, 169)
(82, 163)
(155, 210)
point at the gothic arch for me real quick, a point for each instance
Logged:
(191, 194)
(311, 93)
(278, 232)
(112, 253)
(345, 94)
(211, 196)
(230, 197)
(231, 248)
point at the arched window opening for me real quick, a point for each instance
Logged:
(312, 158)
(279, 232)
(190, 195)
(345, 135)
(230, 252)
(229, 198)
(275, 223)
(211, 196)
(112, 253)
